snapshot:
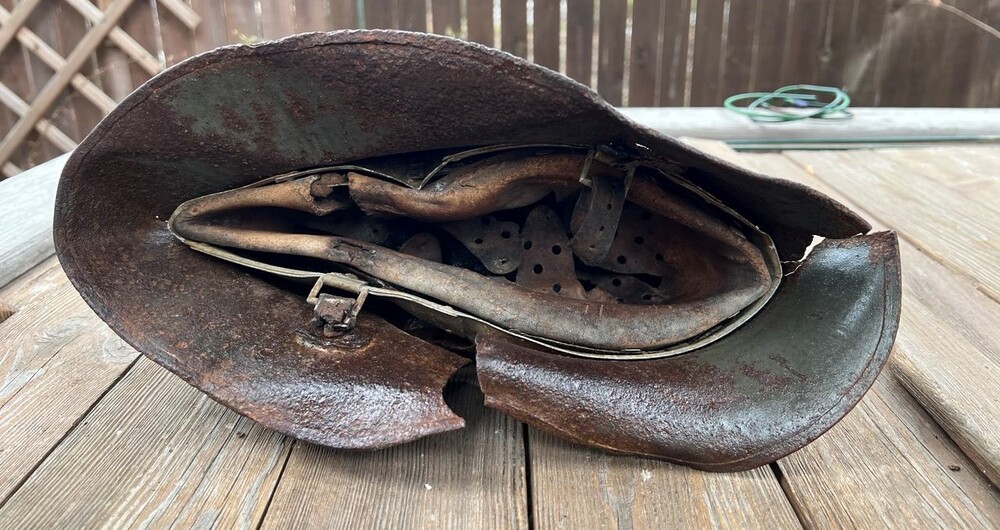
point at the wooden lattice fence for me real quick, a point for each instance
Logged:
(65, 63)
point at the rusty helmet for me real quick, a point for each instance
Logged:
(321, 232)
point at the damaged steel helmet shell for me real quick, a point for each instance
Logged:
(402, 102)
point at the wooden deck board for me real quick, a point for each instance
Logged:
(89, 436)
(579, 487)
(154, 452)
(472, 478)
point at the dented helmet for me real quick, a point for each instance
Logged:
(322, 232)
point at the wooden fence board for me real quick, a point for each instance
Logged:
(343, 14)
(412, 14)
(277, 18)
(514, 27)
(674, 55)
(985, 89)
(243, 25)
(579, 487)
(708, 54)
(381, 14)
(545, 34)
(479, 14)
(579, 39)
(27, 203)
(447, 16)
(771, 31)
(211, 33)
(42, 22)
(864, 71)
(611, 50)
(112, 63)
(738, 56)
(176, 39)
(836, 43)
(472, 478)
(311, 15)
(801, 57)
(644, 57)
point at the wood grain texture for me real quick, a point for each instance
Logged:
(973, 172)
(545, 34)
(447, 15)
(27, 203)
(578, 487)
(514, 27)
(963, 235)
(709, 37)
(56, 359)
(579, 39)
(343, 14)
(674, 55)
(472, 478)
(412, 14)
(611, 50)
(479, 17)
(155, 452)
(644, 57)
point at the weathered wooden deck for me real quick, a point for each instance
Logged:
(93, 434)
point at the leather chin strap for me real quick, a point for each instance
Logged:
(462, 301)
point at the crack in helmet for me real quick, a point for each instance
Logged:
(322, 232)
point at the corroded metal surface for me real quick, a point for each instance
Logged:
(491, 211)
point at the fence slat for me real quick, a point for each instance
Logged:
(343, 14)
(42, 23)
(242, 24)
(545, 34)
(514, 27)
(479, 14)
(447, 15)
(123, 40)
(739, 48)
(905, 59)
(644, 59)
(44, 100)
(311, 15)
(985, 88)
(772, 21)
(380, 14)
(708, 37)
(211, 33)
(277, 18)
(15, 74)
(835, 52)
(673, 58)
(611, 50)
(412, 14)
(801, 58)
(863, 71)
(579, 39)
(18, 17)
(955, 54)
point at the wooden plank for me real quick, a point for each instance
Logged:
(865, 68)
(18, 18)
(738, 65)
(15, 73)
(771, 31)
(948, 348)
(611, 50)
(447, 15)
(277, 18)
(211, 33)
(183, 12)
(177, 39)
(578, 487)
(32, 42)
(27, 203)
(33, 284)
(973, 172)
(644, 57)
(905, 80)
(960, 234)
(801, 58)
(381, 14)
(123, 40)
(139, 20)
(58, 359)
(708, 50)
(985, 89)
(545, 34)
(479, 17)
(953, 55)
(46, 128)
(887, 465)
(242, 22)
(343, 14)
(836, 42)
(311, 15)
(514, 27)
(113, 66)
(412, 14)
(674, 55)
(579, 39)
(472, 478)
(42, 22)
(154, 452)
